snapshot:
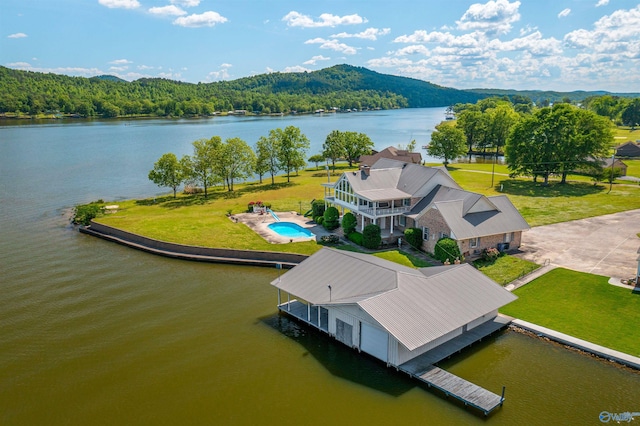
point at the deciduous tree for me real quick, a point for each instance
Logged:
(292, 144)
(167, 171)
(355, 145)
(267, 150)
(447, 142)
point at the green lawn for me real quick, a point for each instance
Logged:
(505, 269)
(543, 205)
(194, 220)
(403, 258)
(581, 305)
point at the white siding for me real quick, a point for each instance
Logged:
(486, 317)
(345, 317)
(374, 341)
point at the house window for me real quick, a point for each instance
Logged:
(425, 233)
(474, 242)
(402, 220)
(508, 237)
(383, 204)
(406, 202)
(444, 235)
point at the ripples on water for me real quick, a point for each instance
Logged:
(95, 333)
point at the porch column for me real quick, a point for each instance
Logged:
(319, 318)
(288, 302)
(309, 312)
(279, 297)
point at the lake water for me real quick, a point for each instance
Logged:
(95, 333)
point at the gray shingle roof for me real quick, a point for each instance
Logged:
(415, 306)
(471, 215)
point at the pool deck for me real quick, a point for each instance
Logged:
(259, 223)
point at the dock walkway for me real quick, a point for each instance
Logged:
(423, 368)
(467, 392)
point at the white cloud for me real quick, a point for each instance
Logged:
(491, 17)
(145, 67)
(296, 68)
(118, 69)
(169, 10)
(19, 65)
(566, 12)
(120, 4)
(206, 19)
(295, 19)
(333, 45)
(602, 3)
(413, 50)
(120, 62)
(532, 43)
(186, 3)
(77, 71)
(225, 65)
(315, 59)
(368, 34)
(17, 35)
(614, 34)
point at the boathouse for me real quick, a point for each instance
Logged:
(392, 312)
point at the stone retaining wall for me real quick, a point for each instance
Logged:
(203, 254)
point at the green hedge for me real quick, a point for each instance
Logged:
(371, 238)
(349, 223)
(447, 249)
(355, 237)
(331, 218)
(413, 236)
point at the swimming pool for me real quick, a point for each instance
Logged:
(290, 230)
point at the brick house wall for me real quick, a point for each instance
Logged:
(433, 220)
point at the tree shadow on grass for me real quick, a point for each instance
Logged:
(172, 203)
(553, 189)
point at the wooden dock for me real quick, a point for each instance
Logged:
(423, 368)
(461, 389)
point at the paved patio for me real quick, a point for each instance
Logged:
(259, 223)
(603, 245)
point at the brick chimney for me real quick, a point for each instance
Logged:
(366, 170)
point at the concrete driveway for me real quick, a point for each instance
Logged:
(603, 245)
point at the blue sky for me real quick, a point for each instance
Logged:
(530, 44)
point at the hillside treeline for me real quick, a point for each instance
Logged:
(343, 87)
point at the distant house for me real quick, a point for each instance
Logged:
(392, 153)
(396, 196)
(628, 149)
(390, 311)
(617, 164)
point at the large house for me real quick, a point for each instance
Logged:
(628, 149)
(393, 312)
(397, 195)
(392, 153)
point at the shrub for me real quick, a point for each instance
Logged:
(85, 213)
(355, 237)
(446, 248)
(490, 254)
(317, 208)
(413, 236)
(331, 218)
(371, 238)
(330, 239)
(319, 220)
(349, 223)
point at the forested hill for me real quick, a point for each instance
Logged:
(342, 86)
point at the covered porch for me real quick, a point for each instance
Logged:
(314, 315)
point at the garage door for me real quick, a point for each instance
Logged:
(374, 341)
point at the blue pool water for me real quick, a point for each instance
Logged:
(290, 230)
